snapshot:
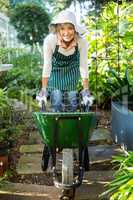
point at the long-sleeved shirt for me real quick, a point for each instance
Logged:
(50, 43)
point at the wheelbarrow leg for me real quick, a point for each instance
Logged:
(84, 158)
(47, 152)
(53, 154)
(45, 158)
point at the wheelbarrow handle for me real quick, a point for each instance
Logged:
(85, 108)
(43, 106)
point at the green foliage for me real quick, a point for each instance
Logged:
(25, 75)
(13, 3)
(4, 6)
(119, 86)
(3, 180)
(122, 186)
(23, 81)
(110, 47)
(7, 130)
(31, 22)
(95, 6)
(9, 134)
(6, 54)
(4, 103)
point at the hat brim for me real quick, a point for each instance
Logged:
(78, 28)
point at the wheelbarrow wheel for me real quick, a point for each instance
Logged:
(45, 158)
(86, 159)
(65, 198)
(68, 194)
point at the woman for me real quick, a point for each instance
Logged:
(65, 62)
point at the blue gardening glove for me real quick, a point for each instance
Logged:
(42, 97)
(87, 98)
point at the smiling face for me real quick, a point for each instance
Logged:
(66, 31)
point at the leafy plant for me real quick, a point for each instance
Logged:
(119, 87)
(25, 75)
(4, 6)
(122, 186)
(4, 103)
(6, 54)
(13, 3)
(8, 132)
(110, 46)
(3, 180)
(23, 81)
(5, 113)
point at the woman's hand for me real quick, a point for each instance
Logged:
(87, 98)
(42, 97)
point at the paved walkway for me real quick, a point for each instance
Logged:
(101, 151)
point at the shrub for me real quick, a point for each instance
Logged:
(122, 186)
(109, 47)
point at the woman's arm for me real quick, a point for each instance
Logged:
(44, 82)
(84, 62)
(85, 83)
(47, 52)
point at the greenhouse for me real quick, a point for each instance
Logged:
(7, 33)
(66, 99)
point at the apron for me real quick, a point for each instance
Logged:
(65, 73)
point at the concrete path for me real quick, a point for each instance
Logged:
(101, 172)
(30, 160)
(93, 185)
(18, 191)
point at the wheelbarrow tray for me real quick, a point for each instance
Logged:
(65, 130)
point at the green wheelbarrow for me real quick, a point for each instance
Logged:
(67, 131)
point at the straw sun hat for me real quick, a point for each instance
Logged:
(66, 16)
